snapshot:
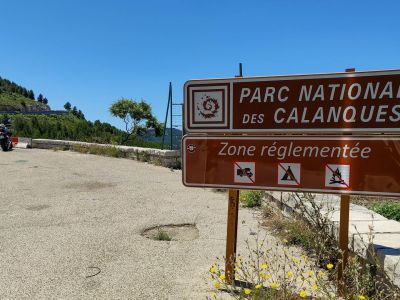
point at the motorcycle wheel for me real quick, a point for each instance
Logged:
(3, 144)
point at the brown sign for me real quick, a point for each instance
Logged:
(352, 102)
(336, 164)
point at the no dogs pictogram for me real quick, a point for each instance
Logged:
(244, 172)
(337, 176)
(289, 173)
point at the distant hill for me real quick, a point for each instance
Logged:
(69, 126)
(176, 137)
(14, 97)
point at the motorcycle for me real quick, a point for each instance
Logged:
(5, 141)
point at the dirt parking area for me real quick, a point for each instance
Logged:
(71, 228)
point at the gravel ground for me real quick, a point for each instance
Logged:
(65, 217)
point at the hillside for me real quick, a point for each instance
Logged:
(14, 97)
(177, 134)
(14, 102)
(71, 126)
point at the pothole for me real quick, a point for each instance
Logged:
(172, 232)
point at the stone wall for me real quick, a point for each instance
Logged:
(166, 158)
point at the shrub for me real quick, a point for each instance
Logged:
(270, 272)
(162, 235)
(98, 150)
(311, 228)
(281, 273)
(388, 210)
(251, 198)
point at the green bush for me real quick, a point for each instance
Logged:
(388, 210)
(251, 198)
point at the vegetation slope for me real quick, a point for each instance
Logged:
(72, 126)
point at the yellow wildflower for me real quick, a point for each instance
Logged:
(296, 260)
(311, 273)
(247, 291)
(261, 274)
(258, 286)
(303, 294)
(314, 287)
(222, 276)
(320, 273)
(361, 297)
(329, 266)
(217, 285)
(264, 266)
(212, 270)
(274, 285)
(214, 294)
(266, 276)
(289, 274)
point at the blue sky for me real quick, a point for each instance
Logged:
(93, 52)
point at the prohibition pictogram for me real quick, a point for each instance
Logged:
(289, 173)
(244, 172)
(337, 176)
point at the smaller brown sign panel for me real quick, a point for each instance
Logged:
(336, 164)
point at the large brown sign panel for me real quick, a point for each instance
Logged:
(337, 102)
(336, 164)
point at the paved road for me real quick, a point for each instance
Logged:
(62, 214)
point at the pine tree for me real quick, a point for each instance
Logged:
(45, 101)
(40, 98)
(80, 114)
(31, 95)
(67, 106)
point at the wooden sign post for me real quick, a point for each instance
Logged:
(232, 225)
(343, 239)
(231, 235)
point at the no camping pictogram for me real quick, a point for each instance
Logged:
(244, 172)
(337, 176)
(289, 173)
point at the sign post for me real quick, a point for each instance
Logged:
(232, 226)
(343, 233)
(343, 239)
(231, 235)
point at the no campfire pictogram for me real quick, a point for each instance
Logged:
(244, 172)
(289, 173)
(337, 176)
